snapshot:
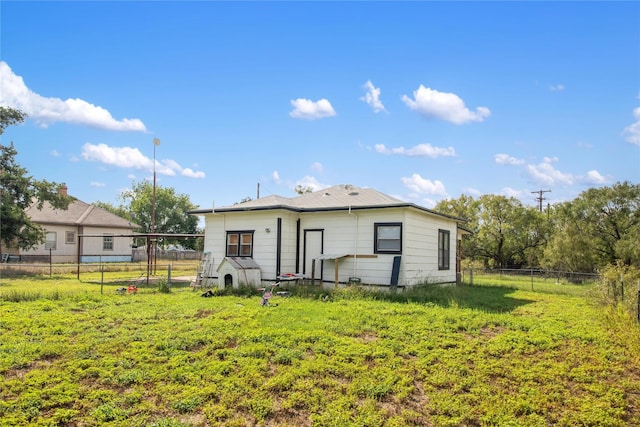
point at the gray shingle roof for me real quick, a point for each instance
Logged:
(78, 213)
(338, 197)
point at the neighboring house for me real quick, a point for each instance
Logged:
(82, 231)
(341, 234)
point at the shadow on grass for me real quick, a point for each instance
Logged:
(484, 298)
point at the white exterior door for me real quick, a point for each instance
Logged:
(312, 250)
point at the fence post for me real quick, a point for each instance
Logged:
(169, 275)
(471, 276)
(101, 278)
(638, 310)
(532, 279)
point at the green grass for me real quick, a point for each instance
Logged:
(443, 356)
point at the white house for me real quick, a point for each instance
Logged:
(338, 235)
(81, 232)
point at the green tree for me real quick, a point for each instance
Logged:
(510, 234)
(600, 227)
(301, 189)
(19, 190)
(467, 208)
(568, 248)
(170, 212)
(505, 232)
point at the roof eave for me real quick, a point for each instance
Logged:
(320, 209)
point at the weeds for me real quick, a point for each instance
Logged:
(466, 355)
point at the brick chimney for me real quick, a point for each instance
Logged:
(63, 190)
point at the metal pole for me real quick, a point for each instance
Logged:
(638, 310)
(532, 280)
(156, 142)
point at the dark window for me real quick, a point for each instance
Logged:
(70, 237)
(240, 243)
(107, 243)
(443, 249)
(387, 238)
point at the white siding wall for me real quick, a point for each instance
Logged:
(349, 233)
(92, 250)
(92, 246)
(353, 234)
(420, 251)
(264, 243)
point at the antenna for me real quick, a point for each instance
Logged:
(539, 199)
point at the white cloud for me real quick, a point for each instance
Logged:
(419, 185)
(594, 177)
(97, 184)
(505, 159)
(310, 181)
(546, 174)
(55, 153)
(420, 150)
(472, 191)
(317, 167)
(307, 109)
(275, 176)
(190, 173)
(128, 157)
(510, 192)
(443, 105)
(632, 132)
(557, 88)
(45, 111)
(372, 97)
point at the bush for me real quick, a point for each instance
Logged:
(619, 286)
(163, 286)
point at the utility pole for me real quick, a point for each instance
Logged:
(540, 198)
(151, 248)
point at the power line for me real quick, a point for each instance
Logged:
(540, 198)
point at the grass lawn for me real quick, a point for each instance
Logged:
(458, 356)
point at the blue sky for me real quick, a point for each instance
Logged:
(419, 100)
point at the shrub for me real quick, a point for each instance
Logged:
(164, 286)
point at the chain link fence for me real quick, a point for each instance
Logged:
(550, 276)
(139, 273)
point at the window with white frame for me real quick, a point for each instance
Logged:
(70, 237)
(240, 243)
(107, 243)
(387, 238)
(51, 240)
(444, 252)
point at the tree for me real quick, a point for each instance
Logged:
(467, 208)
(505, 232)
(600, 227)
(509, 233)
(171, 215)
(301, 189)
(568, 248)
(18, 191)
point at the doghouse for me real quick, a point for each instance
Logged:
(236, 271)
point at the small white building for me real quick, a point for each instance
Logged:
(336, 236)
(235, 271)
